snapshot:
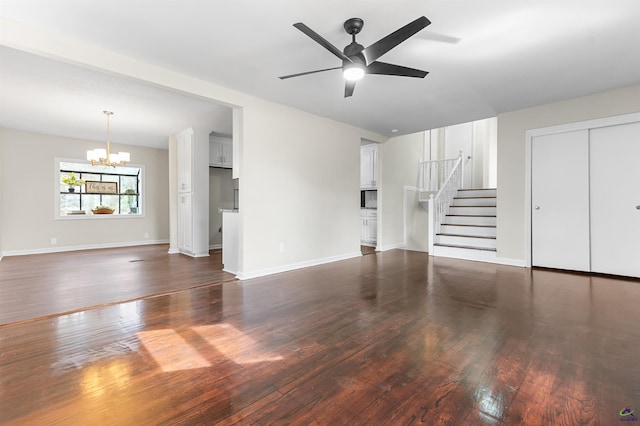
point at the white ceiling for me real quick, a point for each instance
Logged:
(484, 58)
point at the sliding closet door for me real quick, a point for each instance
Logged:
(615, 200)
(560, 200)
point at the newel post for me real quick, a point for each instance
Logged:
(432, 225)
(461, 157)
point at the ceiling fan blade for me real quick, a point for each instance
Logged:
(387, 43)
(349, 86)
(308, 72)
(321, 41)
(391, 69)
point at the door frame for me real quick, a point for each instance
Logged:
(562, 128)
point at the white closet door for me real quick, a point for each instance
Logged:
(560, 201)
(615, 200)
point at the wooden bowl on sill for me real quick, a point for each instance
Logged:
(103, 210)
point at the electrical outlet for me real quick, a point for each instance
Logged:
(281, 247)
(54, 241)
(146, 235)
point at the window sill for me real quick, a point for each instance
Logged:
(99, 216)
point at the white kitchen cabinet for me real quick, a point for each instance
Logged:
(369, 166)
(230, 253)
(368, 226)
(190, 195)
(185, 223)
(372, 229)
(220, 152)
(184, 152)
(363, 227)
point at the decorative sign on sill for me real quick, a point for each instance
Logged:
(93, 187)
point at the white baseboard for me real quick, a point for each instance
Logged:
(194, 254)
(510, 262)
(391, 247)
(477, 256)
(293, 266)
(82, 247)
(215, 246)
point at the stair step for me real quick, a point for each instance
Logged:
(470, 220)
(473, 210)
(471, 193)
(465, 241)
(465, 247)
(469, 230)
(464, 253)
(475, 201)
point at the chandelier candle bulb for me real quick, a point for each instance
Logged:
(103, 157)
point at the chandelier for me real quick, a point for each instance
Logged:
(102, 157)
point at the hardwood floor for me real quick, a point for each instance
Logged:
(41, 285)
(367, 250)
(384, 339)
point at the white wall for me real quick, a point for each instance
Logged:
(28, 180)
(1, 202)
(299, 186)
(460, 138)
(512, 127)
(485, 141)
(399, 158)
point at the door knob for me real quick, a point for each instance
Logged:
(637, 207)
(537, 207)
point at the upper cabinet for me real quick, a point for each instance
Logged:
(184, 151)
(369, 166)
(220, 152)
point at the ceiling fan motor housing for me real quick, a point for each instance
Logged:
(354, 52)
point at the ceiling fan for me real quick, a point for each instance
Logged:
(358, 60)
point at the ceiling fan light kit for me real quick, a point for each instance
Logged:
(358, 60)
(353, 71)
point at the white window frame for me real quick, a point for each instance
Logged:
(58, 187)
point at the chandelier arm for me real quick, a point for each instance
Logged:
(96, 156)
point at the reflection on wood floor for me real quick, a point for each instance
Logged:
(390, 338)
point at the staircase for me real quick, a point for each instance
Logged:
(468, 230)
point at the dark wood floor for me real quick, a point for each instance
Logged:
(390, 338)
(36, 286)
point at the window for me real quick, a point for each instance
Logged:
(83, 187)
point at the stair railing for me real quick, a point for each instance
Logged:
(432, 174)
(439, 204)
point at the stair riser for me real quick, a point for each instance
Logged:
(490, 202)
(470, 193)
(465, 241)
(470, 231)
(470, 220)
(461, 253)
(473, 211)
